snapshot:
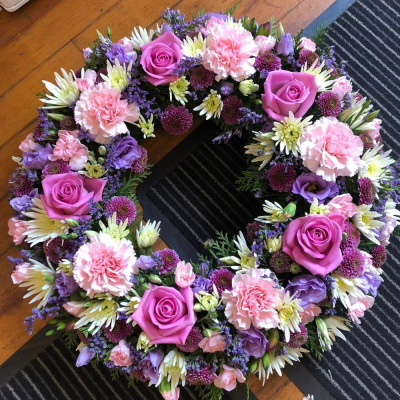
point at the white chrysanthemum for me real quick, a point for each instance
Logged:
(320, 209)
(193, 47)
(347, 286)
(273, 244)
(367, 222)
(102, 311)
(64, 93)
(322, 76)
(147, 235)
(147, 127)
(275, 211)
(173, 367)
(178, 89)
(289, 319)
(41, 227)
(140, 37)
(374, 165)
(356, 113)
(129, 307)
(309, 397)
(143, 342)
(65, 266)
(391, 210)
(211, 106)
(335, 325)
(288, 133)
(116, 231)
(117, 75)
(40, 282)
(277, 362)
(263, 149)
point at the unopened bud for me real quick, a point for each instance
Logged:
(207, 244)
(56, 117)
(50, 278)
(344, 236)
(73, 223)
(100, 36)
(145, 286)
(253, 366)
(100, 160)
(280, 31)
(273, 340)
(197, 307)
(165, 386)
(73, 235)
(290, 210)
(207, 332)
(90, 234)
(266, 361)
(102, 150)
(154, 278)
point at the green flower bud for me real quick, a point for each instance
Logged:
(295, 268)
(73, 235)
(209, 302)
(89, 303)
(207, 332)
(253, 366)
(165, 386)
(102, 150)
(108, 32)
(49, 333)
(273, 340)
(63, 236)
(290, 210)
(100, 160)
(56, 117)
(344, 236)
(50, 278)
(266, 361)
(280, 31)
(100, 36)
(73, 223)
(322, 328)
(145, 286)
(61, 326)
(207, 244)
(252, 24)
(90, 234)
(154, 278)
(245, 22)
(197, 307)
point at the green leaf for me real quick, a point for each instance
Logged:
(231, 10)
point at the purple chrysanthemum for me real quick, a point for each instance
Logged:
(367, 191)
(280, 262)
(201, 78)
(56, 167)
(329, 104)
(309, 57)
(123, 207)
(281, 177)
(192, 341)
(138, 374)
(352, 265)
(120, 331)
(230, 111)
(55, 248)
(379, 256)
(21, 185)
(68, 123)
(267, 62)
(297, 339)
(140, 164)
(176, 120)
(251, 230)
(205, 376)
(222, 279)
(353, 237)
(168, 259)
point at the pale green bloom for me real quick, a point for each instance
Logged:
(117, 75)
(211, 106)
(116, 231)
(130, 306)
(147, 235)
(65, 266)
(275, 213)
(248, 87)
(147, 127)
(143, 342)
(319, 209)
(173, 367)
(273, 244)
(178, 89)
(263, 149)
(322, 76)
(193, 47)
(288, 310)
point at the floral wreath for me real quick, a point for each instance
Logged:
(305, 269)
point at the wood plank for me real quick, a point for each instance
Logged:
(35, 9)
(289, 391)
(11, 24)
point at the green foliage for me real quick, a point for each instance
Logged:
(210, 392)
(319, 36)
(313, 342)
(115, 373)
(250, 179)
(131, 182)
(199, 14)
(223, 246)
(273, 26)
(231, 10)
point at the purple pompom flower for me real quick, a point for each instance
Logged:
(56, 167)
(352, 265)
(222, 279)
(230, 111)
(168, 260)
(367, 191)
(329, 104)
(192, 341)
(123, 207)
(281, 177)
(201, 78)
(140, 164)
(297, 339)
(176, 120)
(280, 262)
(379, 256)
(120, 331)
(204, 376)
(267, 62)
(353, 237)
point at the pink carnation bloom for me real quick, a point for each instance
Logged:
(227, 378)
(69, 148)
(184, 275)
(307, 44)
(252, 300)
(87, 81)
(341, 87)
(121, 355)
(359, 306)
(105, 265)
(309, 313)
(343, 205)
(16, 229)
(330, 149)
(230, 52)
(265, 44)
(174, 395)
(214, 343)
(28, 144)
(20, 273)
(211, 23)
(102, 111)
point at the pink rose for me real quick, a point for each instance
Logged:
(20, 273)
(314, 242)
(67, 195)
(341, 87)
(214, 343)
(359, 306)
(87, 81)
(16, 229)
(309, 313)
(160, 57)
(343, 205)
(184, 275)
(121, 355)
(265, 44)
(288, 91)
(171, 395)
(165, 314)
(227, 378)
(28, 144)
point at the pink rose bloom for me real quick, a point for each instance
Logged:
(211, 23)
(87, 80)
(230, 52)
(374, 132)
(359, 306)
(160, 57)
(165, 314)
(171, 395)
(343, 205)
(184, 275)
(287, 91)
(307, 44)
(214, 343)
(341, 87)
(75, 311)
(252, 300)
(67, 195)
(103, 113)
(265, 44)
(387, 230)
(16, 229)
(69, 148)
(309, 313)
(121, 355)
(28, 144)
(330, 149)
(105, 265)
(20, 273)
(227, 378)
(314, 242)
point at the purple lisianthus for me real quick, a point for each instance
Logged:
(310, 186)
(285, 46)
(371, 283)
(227, 88)
(23, 203)
(200, 284)
(126, 152)
(145, 263)
(308, 288)
(253, 341)
(84, 357)
(66, 285)
(37, 159)
(117, 51)
(150, 363)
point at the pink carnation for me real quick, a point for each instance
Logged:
(359, 306)
(214, 343)
(184, 275)
(20, 273)
(211, 23)
(105, 265)
(28, 144)
(330, 149)
(252, 300)
(16, 229)
(309, 313)
(231, 52)
(121, 355)
(227, 378)
(69, 148)
(341, 87)
(307, 44)
(87, 81)
(343, 205)
(102, 111)
(265, 44)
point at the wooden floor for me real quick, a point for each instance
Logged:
(45, 35)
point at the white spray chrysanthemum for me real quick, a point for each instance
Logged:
(117, 75)
(179, 90)
(263, 149)
(211, 106)
(147, 234)
(275, 213)
(367, 222)
(289, 319)
(173, 367)
(193, 47)
(140, 37)
(322, 75)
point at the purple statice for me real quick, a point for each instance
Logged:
(122, 207)
(279, 229)
(150, 363)
(329, 104)
(280, 262)
(367, 191)
(84, 136)
(167, 260)
(123, 153)
(253, 341)
(225, 136)
(188, 66)
(308, 288)
(98, 344)
(24, 203)
(329, 57)
(120, 331)
(311, 186)
(330, 284)
(352, 265)
(371, 283)
(192, 341)
(297, 339)
(55, 168)
(65, 284)
(281, 177)
(15, 260)
(39, 158)
(250, 118)
(104, 46)
(379, 256)
(200, 284)
(114, 183)
(176, 120)
(45, 126)
(238, 357)
(231, 110)
(222, 279)
(117, 52)
(353, 237)
(204, 269)
(285, 45)
(176, 20)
